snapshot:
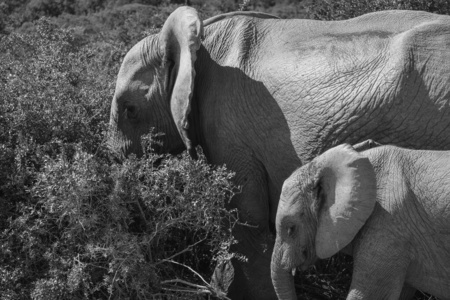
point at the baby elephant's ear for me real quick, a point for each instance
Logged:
(348, 182)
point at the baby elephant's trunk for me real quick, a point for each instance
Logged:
(283, 282)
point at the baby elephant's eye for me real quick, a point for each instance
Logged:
(291, 230)
(131, 111)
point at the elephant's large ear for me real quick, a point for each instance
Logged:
(348, 191)
(180, 38)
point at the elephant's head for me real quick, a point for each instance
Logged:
(322, 207)
(155, 86)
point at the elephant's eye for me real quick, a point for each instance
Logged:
(291, 230)
(131, 112)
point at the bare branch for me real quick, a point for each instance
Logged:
(197, 286)
(169, 259)
(192, 270)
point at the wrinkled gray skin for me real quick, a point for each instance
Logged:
(265, 95)
(390, 208)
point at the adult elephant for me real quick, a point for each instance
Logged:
(264, 95)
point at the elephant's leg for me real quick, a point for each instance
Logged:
(252, 277)
(380, 264)
(378, 280)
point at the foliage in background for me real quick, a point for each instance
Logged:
(19, 13)
(74, 224)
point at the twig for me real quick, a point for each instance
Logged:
(185, 282)
(192, 270)
(142, 212)
(169, 259)
(115, 274)
(200, 289)
(186, 290)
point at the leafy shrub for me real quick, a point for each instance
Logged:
(74, 224)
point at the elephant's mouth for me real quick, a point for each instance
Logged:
(308, 258)
(301, 268)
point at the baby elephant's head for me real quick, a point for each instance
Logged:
(322, 207)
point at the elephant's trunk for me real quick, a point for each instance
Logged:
(283, 282)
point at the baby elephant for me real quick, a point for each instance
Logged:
(390, 207)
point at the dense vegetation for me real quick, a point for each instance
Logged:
(76, 224)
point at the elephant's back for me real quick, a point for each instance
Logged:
(372, 40)
(421, 176)
(382, 23)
